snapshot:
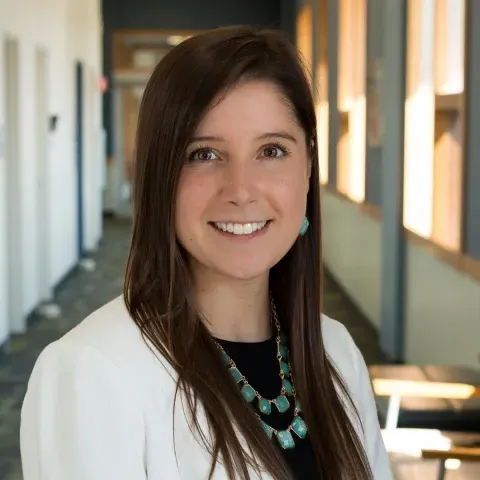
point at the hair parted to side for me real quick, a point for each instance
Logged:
(158, 290)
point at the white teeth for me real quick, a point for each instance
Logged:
(240, 228)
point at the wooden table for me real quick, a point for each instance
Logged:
(460, 453)
(440, 446)
(465, 448)
(430, 381)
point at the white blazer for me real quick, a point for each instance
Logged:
(99, 407)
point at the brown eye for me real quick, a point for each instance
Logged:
(273, 152)
(202, 156)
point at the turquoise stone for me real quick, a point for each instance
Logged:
(283, 338)
(297, 405)
(264, 406)
(285, 368)
(288, 386)
(248, 393)
(226, 358)
(299, 427)
(283, 350)
(282, 403)
(237, 376)
(268, 429)
(285, 439)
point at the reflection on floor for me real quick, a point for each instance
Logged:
(85, 291)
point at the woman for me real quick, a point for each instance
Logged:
(216, 362)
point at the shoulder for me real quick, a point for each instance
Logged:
(335, 335)
(347, 360)
(106, 340)
(108, 328)
(111, 331)
(78, 391)
(339, 345)
(350, 364)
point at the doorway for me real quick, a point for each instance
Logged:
(43, 190)
(79, 115)
(127, 94)
(17, 321)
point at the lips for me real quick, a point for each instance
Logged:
(246, 228)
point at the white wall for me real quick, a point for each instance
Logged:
(351, 251)
(442, 312)
(442, 304)
(3, 218)
(68, 30)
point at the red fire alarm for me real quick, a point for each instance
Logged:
(103, 84)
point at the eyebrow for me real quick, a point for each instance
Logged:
(279, 134)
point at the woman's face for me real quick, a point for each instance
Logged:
(242, 192)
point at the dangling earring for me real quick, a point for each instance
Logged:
(304, 227)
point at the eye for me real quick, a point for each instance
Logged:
(202, 155)
(274, 151)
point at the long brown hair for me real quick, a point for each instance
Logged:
(158, 290)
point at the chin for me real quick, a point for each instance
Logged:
(243, 272)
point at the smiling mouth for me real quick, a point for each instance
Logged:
(240, 228)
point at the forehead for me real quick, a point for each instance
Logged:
(250, 108)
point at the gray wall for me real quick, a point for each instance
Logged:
(392, 333)
(375, 47)
(334, 121)
(472, 179)
(188, 14)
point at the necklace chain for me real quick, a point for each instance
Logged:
(298, 426)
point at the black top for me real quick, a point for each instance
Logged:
(258, 363)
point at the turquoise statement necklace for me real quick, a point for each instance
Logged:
(281, 402)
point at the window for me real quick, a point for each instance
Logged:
(304, 36)
(434, 120)
(322, 91)
(352, 99)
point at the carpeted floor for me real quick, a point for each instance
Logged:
(83, 292)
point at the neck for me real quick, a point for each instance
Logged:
(235, 310)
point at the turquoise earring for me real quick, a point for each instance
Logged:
(305, 225)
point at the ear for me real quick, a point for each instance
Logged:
(308, 174)
(310, 160)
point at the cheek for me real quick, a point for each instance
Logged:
(190, 201)
(183, 205)
(291, 193)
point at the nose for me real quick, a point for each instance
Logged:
(238, 183)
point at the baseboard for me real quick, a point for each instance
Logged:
(336, 281)
(332, 278)
(66, 277)
(4, 346)
(32, 317)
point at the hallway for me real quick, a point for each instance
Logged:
(84, 292)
